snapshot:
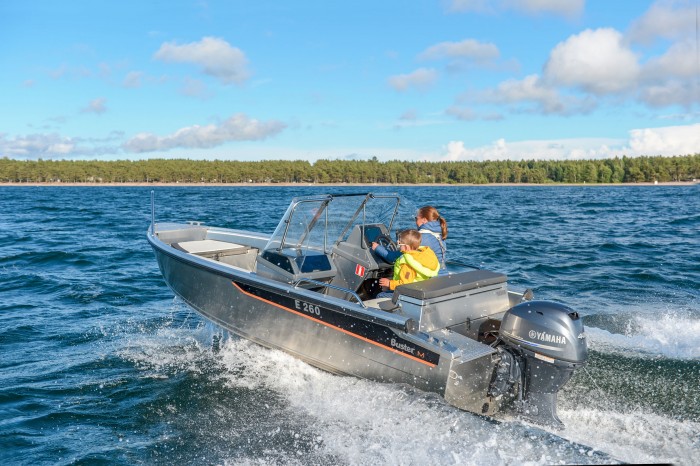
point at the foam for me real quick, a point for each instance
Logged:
(169, 350)
(355, 421)
(634, 437)
(668, 335)
(362, 422)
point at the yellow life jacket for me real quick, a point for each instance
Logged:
(423, 262)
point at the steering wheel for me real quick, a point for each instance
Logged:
(386, 241)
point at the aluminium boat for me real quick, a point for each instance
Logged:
(308, 289)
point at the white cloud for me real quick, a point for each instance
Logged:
(52, 145)
(665, 141)
(567, 8)
(237, 128)
(666, 19)
(216, 57)
(672, 78)
(532, 90)
(411, 119)
(558, 149)
(195, 88)
(133, 80)
(466, 5)
(469, 114)
(35, 145)
(595, 64)
(669, 140)
(595, 61)
(96, 106)
(422, 78)
(59, 72)
(468, 48)
(677, 61)
(461, 113)
(672, 92)
(528, 89)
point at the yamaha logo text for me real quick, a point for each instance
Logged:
(546, 337)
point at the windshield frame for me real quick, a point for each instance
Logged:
(307, 221)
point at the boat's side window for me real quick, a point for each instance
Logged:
(280, 260)
(313, 263)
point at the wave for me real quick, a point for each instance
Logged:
(298, 414)
(54, 258)
(321, 418)
(636, 437)
(692, 220)
(363, 422)
(667, 335)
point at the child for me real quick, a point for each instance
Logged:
(417, 263)
(433, 229)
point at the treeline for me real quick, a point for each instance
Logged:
(616, 170)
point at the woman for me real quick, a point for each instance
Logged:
(433, 230)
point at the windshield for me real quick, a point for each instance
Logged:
(319, 222)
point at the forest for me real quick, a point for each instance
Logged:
(615, 170)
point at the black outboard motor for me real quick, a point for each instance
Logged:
(546, 343)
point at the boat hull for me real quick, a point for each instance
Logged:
(319, 332)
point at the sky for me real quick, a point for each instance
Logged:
(427, 80)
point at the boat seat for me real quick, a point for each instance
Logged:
(211, 249)
(446, 285)
(291, 265)
(384, 304)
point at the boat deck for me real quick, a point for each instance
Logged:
(234, 254)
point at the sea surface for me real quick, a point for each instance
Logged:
(100, 364)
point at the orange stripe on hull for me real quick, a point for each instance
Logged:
(387, 348)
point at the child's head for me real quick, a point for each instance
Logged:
(411, 238)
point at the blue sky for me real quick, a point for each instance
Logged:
(417, 80)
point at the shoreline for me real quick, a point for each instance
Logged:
(287, 185)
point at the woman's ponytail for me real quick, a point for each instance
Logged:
(443, 227)
(431, 214)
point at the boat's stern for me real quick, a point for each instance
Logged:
(458, 311)
(470, 376)
(522, 353)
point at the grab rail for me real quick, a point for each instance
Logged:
(153, 212)
(328, 285)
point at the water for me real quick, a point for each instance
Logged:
(100, 364)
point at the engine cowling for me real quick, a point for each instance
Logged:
(548, 341)
(549, 329)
